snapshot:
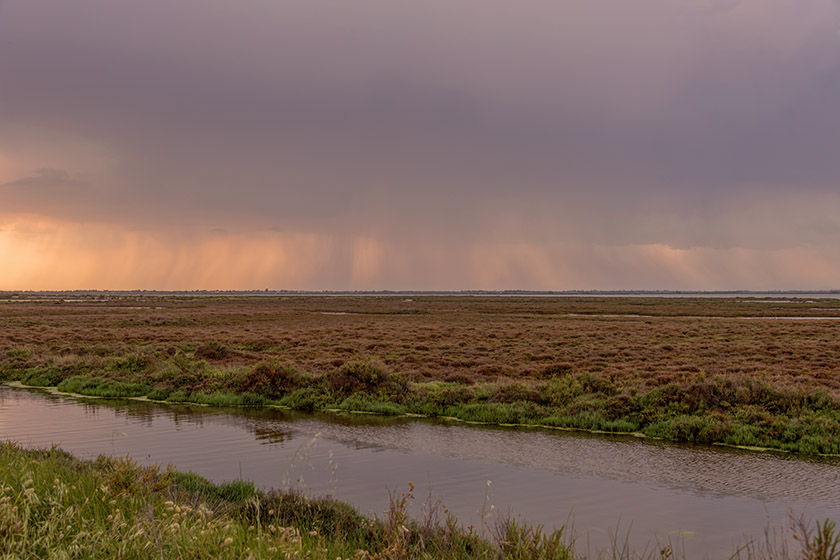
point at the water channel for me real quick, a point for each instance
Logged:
(708, 500)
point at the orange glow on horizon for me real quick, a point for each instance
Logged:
(41, 254)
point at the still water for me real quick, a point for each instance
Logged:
(708, 499)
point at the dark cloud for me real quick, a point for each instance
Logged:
(47, 179)
(48, 191)
(604, 122)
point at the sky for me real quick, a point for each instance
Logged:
(434, 145)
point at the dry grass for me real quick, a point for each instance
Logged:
(461, 339)
(699, 369)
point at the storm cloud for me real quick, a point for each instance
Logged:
(373, 144)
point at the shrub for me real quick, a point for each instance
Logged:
(597, 384)
(183, 371)
(692, 429)
(42, 377)
(134, 363)
(159, 393)
(458, 377)
(620, 406)
(357, 376)
(271, 379)
(22, 353)
(306, 399)
(514, 392)
(430, 398)
(560, 391)
(396, 389)
(211, 351)
(557, 370)
(252, 400)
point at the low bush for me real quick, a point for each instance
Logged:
(358, 376)
(159, 393)
(305, 400)
(178, 396)
(42, 377)
(689, 428)
(514, 392)
(211, 351)
(271, 379)
(134, 363)
(560, 391)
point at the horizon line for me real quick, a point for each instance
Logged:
(423, 292)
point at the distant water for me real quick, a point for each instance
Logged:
(712, 295)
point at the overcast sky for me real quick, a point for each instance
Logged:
(435, 144)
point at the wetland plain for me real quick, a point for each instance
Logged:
(740, 371)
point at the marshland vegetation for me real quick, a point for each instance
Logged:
(53, 505)
(699, 370)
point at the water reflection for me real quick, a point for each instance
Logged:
(704, 471)
(716, 493)
(269, 433)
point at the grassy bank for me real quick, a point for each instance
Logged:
(55, 506)
(739, 412)
(700, 371)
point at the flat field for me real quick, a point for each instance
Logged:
(743, 371)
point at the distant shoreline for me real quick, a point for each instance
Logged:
(404, 293)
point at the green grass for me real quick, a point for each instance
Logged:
(361, 404)
(102, 387)
(734, 410)
(215, 494)
(42, 377)
(719, 410)
(588, 420)
(226, 399)
(496, 413)
(306, 400)
(55, 506)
